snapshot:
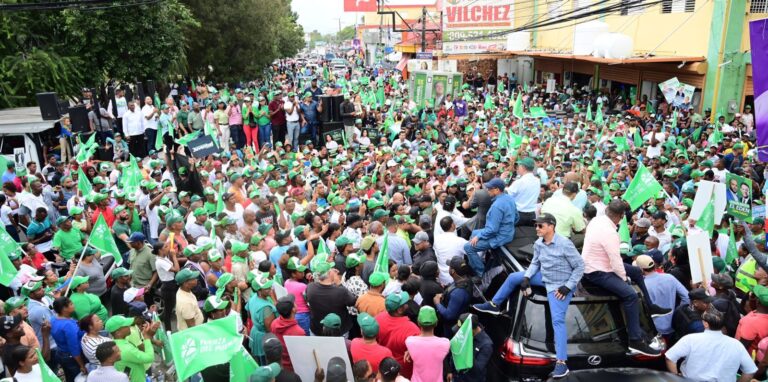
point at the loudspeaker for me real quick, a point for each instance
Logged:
(327, 114)
(78, 115)
(337, 101)
(330, 126)
(140, 92)
(49, 106)
(105, 154)
(63, 106)
(128, 92)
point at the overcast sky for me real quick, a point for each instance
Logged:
(322, 15)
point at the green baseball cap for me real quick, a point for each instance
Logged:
(332, 320)
(255, 240)
(120, 272)
(294, 264)
(342, 241)
(224, 280)
(214, 303)
(117, 322)
(238, 246)
(427, 316)
(377, 278)
(15, 302)
(261, 282)
(395, 301)
(761, 293)
(378, 214)
(369, 327)
(186, 275)
(77, 281)
(354, 260)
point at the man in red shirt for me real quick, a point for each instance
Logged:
(395, 327)
(277, 117)
(102, 208)
(754, 326)
(286, 325)
(367, 348)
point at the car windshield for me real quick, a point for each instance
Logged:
(587, 322)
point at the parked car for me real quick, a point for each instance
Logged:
(597, 334)
(623, 374)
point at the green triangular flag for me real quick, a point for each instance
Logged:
(589, 111)
(696, 134)
(241, 366)
(7, 246)
(83, 184)
(638, 139)
(621, 144)
(599, 116)
(462, 346)
(643, 187)
(220, 201)
(382, 260)
(624, 231)
(517, 109)
(707, 219)
(45, 371)
(101, 238)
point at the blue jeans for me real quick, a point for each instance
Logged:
(558, 309)
(312, 127)
(151, 135)
(265, 134)
(615, 285)
(303, 320)
(294, 129)
(472, 253)
(236, 132)
(513, 282)
(68, 363)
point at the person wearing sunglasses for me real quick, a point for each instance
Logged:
(556, 266)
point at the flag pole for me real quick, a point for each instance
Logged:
(80, 258)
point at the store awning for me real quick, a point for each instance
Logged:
(611, 61)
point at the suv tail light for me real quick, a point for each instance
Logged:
(645, 358)
(510, 355)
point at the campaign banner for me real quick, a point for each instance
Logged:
(738, 197)
(203, 146)
(758, 35)
(439, 88)
(473, 26)
(420, 87)
(669, 89)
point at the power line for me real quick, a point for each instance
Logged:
(82, 5)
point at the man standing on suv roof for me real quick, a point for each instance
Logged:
(557, 266)
(604, 267)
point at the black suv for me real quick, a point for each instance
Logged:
(597, 335)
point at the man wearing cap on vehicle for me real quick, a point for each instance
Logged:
(309, 109)
(525, 191)
(134, 360)
(395, 328)
(499, 226)
(188, 313)
(640, 231)
(711, 355)
(664, 290)
(367, 348)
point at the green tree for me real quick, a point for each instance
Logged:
(347, 33)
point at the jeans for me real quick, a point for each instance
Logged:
(265, 134)
(513, 282)
(473, 253)
(70, 366)
(151, 135)
(303, 320)
(236, 132)
(294, 129)
(558, 309)
(615, 285)
(312, 127)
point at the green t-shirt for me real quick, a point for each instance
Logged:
(181, 117)
(88, 303)
(69, 243)
(121, 228)
(263, 119)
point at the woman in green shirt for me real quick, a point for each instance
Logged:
(262, 311)
(85, 303)
(265, 124)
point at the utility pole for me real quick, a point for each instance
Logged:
(423, 29)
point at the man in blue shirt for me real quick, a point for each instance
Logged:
(308, 110)
(10, 175)
(314, 90)
(499, 226)
(39, 311)
(66, 333)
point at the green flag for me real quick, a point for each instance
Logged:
(241, 366)
(517, 109)
(209, 344)
(131, 177)
(7, 269)
(159, 138)
(382, 261)
(696, 134)
(599, 116)
(188, 138)
(624, 231)
(321, 255)
(380, 97)
(503, 141)
(673, 126)
(462, 346)
(157, 101)
(638, 138)
(83, 184)
(162, 336)
(87, 149)
(46, 372)
(621, 144)
(716, 137)
(589, 111)
(538, 112)
(732, 253)
(488, 105)
(707, 219)
(101, 238)
(576, 109)
(210, 131)
(643, 187)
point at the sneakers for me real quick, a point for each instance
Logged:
(487, 307)
(561, 370)
(657, 311)
(643, 348)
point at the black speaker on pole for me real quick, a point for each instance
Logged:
(140, 92)
(151, 90)
(337, 101)
(63, 106)
(128, 92)
(327, 114)
(78, 115)
(49, 106)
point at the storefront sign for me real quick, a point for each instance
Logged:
(472, 26)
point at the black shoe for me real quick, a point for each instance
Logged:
(657, 311)
(643, 348)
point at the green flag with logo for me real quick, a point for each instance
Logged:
(83, 184)
(7, 245)
(707, 219)
(624, 231)
(621, 144)
(589, 111)
(101, 238)
(517, 109)
(643, 187)
(599, 116)
(462, 347)
(45, 371)
(241, 366)
(382, 261)
(209, 344)
(638, 138)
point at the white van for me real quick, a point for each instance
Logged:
(24, 135)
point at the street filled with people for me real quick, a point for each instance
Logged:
(397, 242)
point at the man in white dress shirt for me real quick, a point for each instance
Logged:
(526, 192)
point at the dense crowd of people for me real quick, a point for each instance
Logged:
(390, 237)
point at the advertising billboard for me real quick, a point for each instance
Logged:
(473, 26)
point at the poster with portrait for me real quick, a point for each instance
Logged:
(439, 88)
(738, 195)
(669, 89)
